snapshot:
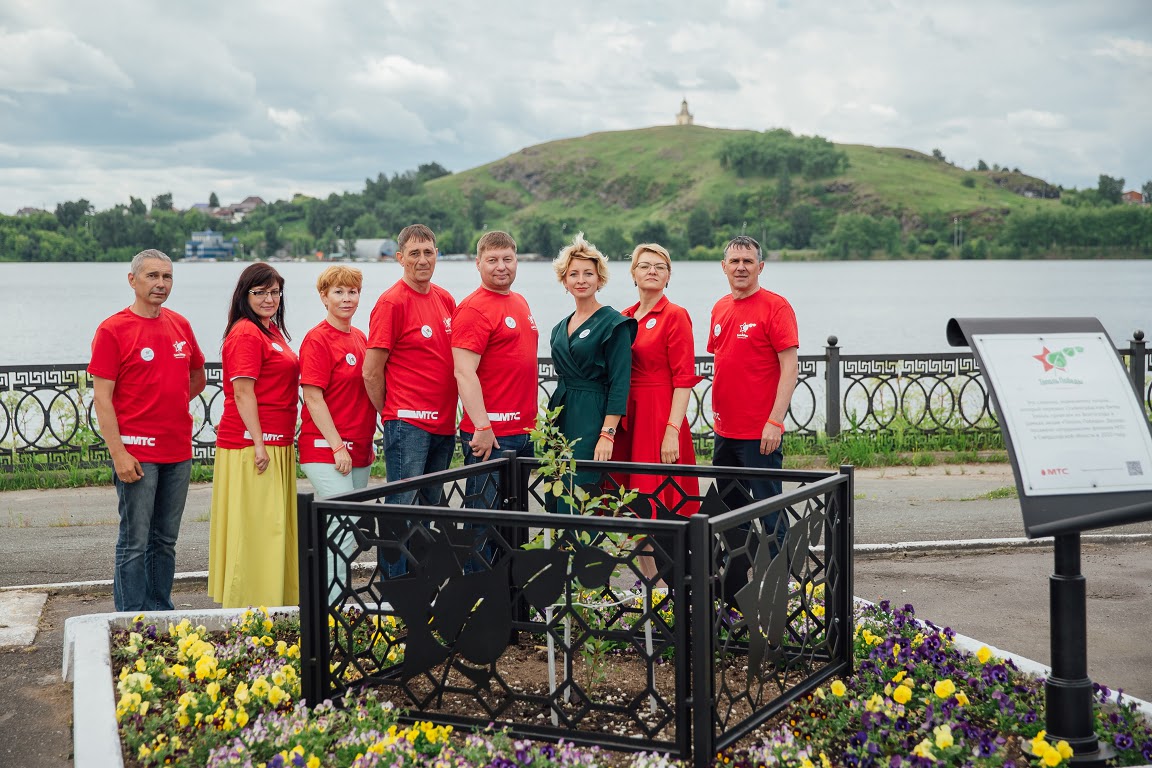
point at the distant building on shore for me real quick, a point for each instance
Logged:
(210, 246)
(684, 117)
(1132, 197)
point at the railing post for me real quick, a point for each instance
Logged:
(311, 620)
(701, 652)
(832, 388)
(1138, 363)
(844, 552)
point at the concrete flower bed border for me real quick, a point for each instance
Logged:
(87, 664)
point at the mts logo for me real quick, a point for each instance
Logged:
(1054, 471)
(138, 440)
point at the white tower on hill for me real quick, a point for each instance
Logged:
(684, 117)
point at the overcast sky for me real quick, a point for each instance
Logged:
(113, 98)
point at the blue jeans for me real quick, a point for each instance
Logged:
(410, 451)
(728, 452)
(150, 512)
(484, 491)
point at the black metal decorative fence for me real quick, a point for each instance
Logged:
(46, 413)
(678, 634)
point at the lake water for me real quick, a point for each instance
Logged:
(49, 311)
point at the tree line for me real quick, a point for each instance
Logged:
(791, 207)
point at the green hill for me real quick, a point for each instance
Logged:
(624, 178)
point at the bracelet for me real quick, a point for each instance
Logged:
(484, 429)
(777, 425)
(608, 437)
(670, 424)
(341, 447)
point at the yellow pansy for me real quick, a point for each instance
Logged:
(924, 749)
(983, 654)
(944, 688)
(943, 734)
(902, 694)
(962, 699)
(899, 676)
(838, 688)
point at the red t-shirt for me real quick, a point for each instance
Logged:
(334, 361)
(416, 329)
(747, 336)
(248, 353)
(151, 360)
(500, 328)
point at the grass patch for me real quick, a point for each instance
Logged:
(1007, 492)
(860, 448)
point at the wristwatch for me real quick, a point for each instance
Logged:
(610, 431)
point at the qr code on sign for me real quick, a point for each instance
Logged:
(1134, 468)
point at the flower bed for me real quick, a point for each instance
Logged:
(232, 698)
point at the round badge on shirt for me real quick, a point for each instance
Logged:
(426, 331)
(584, 333)
(277, 347)
(350, 358)
(510, 322)
(716, 330)
(650, 324)
(147, 354)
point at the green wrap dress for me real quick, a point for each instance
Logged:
(594, 371)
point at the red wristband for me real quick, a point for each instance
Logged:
(670, 424)
(339, 448)
(484, 429)
(608, 437)
(777, 425)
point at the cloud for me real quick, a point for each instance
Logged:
(54, 61)
(122, 97)
(1036, 118)
(286, 119)
(1124, 49)
(397, 74)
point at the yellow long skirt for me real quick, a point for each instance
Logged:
(252, 553)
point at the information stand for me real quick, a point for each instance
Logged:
(1081, 452)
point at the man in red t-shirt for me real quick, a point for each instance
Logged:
(146, 366)
(754, 339)
(494, 349)
(410, 344)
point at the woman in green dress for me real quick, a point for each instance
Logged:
(592, 353)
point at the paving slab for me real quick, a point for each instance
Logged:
(20, 617)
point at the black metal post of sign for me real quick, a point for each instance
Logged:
(1068, 690)
(1068, 712)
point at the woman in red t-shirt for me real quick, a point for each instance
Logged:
(656, 431)
(339, 422)
(252, 556)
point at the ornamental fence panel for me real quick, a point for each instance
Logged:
(677, 634)
(47, 419)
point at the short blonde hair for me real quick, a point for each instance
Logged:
(655, 248)
(339, 274)
(581, 249)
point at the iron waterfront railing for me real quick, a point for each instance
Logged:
(555, 626)
(47, 417)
